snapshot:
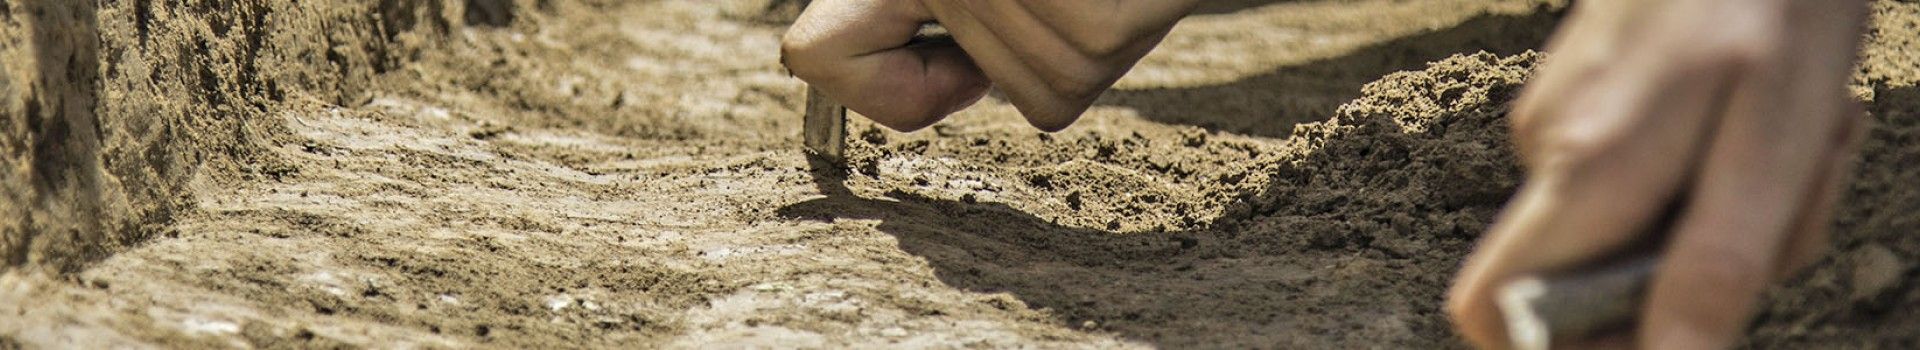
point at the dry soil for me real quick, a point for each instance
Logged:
(602, 173)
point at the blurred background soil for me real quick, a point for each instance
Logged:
(600, 173)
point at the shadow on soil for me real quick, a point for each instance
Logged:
(1219, 286)
(1221, 7)
(1270, 104)
(1216, 287)
(1126, 283)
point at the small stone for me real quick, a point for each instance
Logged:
(559, 302)
(894, 332)
(1875, 269)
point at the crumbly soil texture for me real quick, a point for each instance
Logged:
(598, 173)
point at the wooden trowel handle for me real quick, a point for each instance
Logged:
(1540, 310)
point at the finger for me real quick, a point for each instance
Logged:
(1148, 18)
(1053, 59)
(1812, 229)
(1037, 72)
(1770, 156)
(1828, 34)
(1582, 48)
(857, 52)
(1604, 172)
(1726, 246)
(1593, 37)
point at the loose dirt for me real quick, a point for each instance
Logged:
(537, 174)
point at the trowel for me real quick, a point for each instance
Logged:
(825, 129)
(1543, 310)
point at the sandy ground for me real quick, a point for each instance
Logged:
(1280, 174)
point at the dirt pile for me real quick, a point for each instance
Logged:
(1345, 233)
(111, 113)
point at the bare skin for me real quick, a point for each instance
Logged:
(1735, 107)
(1744, 118)
(1051, 58)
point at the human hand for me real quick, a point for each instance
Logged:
(1051, 58)
(1732, 111)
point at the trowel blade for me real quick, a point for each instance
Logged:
(825, 128)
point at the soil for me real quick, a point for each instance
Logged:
(595, 173)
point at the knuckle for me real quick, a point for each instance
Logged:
(1544, 102)
(796, 39)
(1082, 81)
(1052, 122)
(1572, 151)
(789, 46)
(1460, 304)
(1526, 137)
(797, 55)
(1105, 43)
(1076, 89)
(1748, 37)
(1526, 118)
(1740, 52)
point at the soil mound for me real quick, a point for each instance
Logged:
(109, 113)
(1347, 232)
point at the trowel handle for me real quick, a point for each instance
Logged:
(1574, 306)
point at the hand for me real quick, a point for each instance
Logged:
(1051, 58)
(1735, 108)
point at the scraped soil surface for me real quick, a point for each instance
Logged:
(539, 174)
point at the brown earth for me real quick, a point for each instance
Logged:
(596, 173)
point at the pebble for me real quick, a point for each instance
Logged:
(1875, 269)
